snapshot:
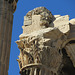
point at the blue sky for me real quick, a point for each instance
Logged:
(62, 7)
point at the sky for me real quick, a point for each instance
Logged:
(57, 7)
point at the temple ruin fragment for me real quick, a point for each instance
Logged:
(47, 44)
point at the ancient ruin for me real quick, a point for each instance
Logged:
(47, 44)
(7, 8)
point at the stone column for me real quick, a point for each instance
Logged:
(6, 21)
(32, 71)
(42, 71)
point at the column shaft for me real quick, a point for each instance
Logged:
(6, 21)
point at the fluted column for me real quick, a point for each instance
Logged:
(42, 71)
(1, 34)
(32, 71)
(6, 21)
(1, 25)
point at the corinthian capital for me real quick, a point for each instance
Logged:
(13, 4)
